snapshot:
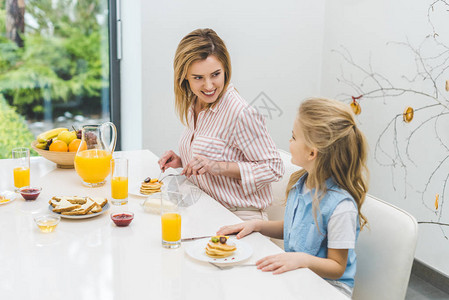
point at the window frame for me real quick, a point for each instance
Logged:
(114, 67)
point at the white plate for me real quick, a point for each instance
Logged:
(197, 251)
(104, 209)
(8, 195)
(173, 184)
(190, 193)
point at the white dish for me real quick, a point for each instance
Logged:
(153, 204)
(173, 184)
(103, 210)
(8, 195)
(197, 251)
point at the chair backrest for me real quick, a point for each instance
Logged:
(276, 210)
(385, 251)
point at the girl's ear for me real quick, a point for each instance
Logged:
(313, 154)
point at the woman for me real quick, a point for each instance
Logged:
(226, 149)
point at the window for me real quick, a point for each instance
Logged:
(55, 67)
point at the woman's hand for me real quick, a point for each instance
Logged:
(169, 160)
(283, 262)
(200, 165)
(243, 229)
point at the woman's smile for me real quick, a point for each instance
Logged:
(209, 94)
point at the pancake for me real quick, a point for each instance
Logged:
(217, 249)
(221, 247)
(148, 188)
(148, 192)
(218, 254)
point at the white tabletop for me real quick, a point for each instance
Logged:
(94, 259)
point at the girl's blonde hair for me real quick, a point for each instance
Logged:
(197, 45)
(329, 126)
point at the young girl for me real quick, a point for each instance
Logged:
(322, 216)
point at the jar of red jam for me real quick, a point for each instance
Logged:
(122, 219)
(30, 193)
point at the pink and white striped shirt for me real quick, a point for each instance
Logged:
(233, 131)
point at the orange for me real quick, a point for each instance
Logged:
(59, 146)
(75, 144)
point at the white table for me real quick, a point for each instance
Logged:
(94, 259)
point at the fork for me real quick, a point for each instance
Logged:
(230, 267)
(168, 175)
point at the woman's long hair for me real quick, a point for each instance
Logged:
(330, 128)
(197, 45)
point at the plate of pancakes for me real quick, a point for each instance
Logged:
(210, 250)
(147, 187)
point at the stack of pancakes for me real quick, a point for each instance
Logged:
(219, 250)
(148, 188)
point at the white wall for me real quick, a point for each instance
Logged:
(368, 30)
(131, 75)
(270, 46)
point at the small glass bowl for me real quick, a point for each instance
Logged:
(152, 204)
(123, 218)
(47, 223)
(30, 192)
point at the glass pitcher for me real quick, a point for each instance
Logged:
(93, 158)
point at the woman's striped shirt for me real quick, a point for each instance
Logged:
(233, 131)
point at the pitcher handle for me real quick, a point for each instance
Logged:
(113, 137)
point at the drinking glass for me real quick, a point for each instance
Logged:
(21, 157)
(171, 219)
(119, 181)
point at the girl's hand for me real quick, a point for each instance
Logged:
(200, 165)
(243, 229)
(283, 262)
(169, 160)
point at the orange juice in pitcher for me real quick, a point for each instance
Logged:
(94, 164)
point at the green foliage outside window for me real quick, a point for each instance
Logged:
(13, 130)
(64, 57)
(64, 60)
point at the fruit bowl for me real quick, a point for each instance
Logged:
(63, 160)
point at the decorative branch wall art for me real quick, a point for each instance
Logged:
(424, 95)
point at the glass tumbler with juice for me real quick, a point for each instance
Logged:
(171, 219)
(21, 171)
(119, 181)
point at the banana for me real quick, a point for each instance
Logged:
(42, 146)
(43, 137)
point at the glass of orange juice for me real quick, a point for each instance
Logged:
(171, 219)
(21, 170)
(119, 181)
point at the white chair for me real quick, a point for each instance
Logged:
(385, 251)
(276, 210)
